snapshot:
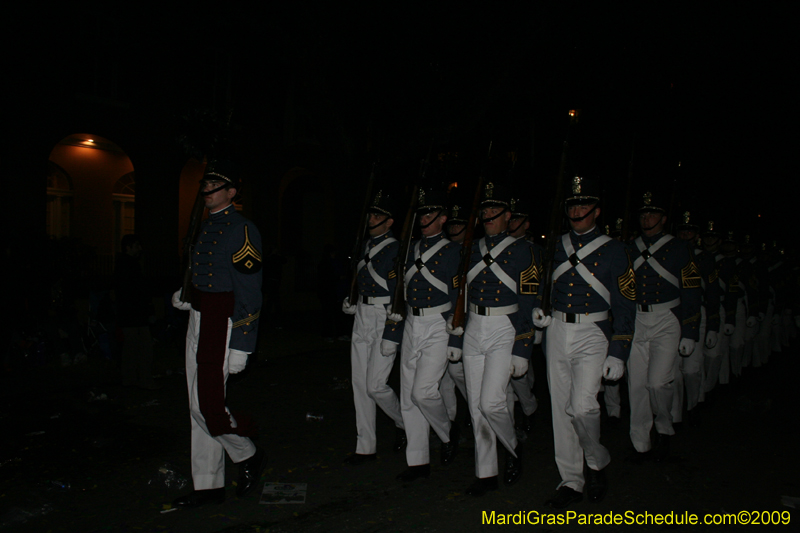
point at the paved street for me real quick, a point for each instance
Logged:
(81, 453)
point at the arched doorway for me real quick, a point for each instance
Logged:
(91, 195)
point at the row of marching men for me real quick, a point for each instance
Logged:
(614, 309)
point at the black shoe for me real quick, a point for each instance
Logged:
(661, 448)
(613, 421)
(400, 440)
(359, 458)
(468, 421)
(249, 473)
(414, 472)
(449, 449)
(596, 484)
(638, 458)
(482, 485)
(513, 466)
(526, 422)
(199, 498)
(564, 497)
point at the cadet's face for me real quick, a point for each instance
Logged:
(577, 211)
(456, 232)
(221, 198)
(711, 242)
(379, 224)
(517, 229)
(652, 220)
(435, 223)
(499, 224)
(687, 235)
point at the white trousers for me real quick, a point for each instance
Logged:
(651, 371)
(488, 341)
(208, 453)
(370, 373)
(612, 398)
(575, 357)
(453, 378)
(423, 362)
(738, 339)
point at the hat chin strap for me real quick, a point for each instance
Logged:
(370, 228)
(209, 193)
(578, 219)
(485, 220)
(524, 219)
(463, 229)
(438, 214)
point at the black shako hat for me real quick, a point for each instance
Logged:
(651, 204)
(222, 170)
(382, 204)
(686, 224)
(430, 200)
(582, 191)
(495, 195)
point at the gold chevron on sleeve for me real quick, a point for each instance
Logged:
(455, 281)
(713, 276)
(247, 256)
(690, 276)
(523, 336)
(529, 278)
(691, 319)
(627, 283)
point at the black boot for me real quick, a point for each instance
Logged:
(199, 498)
(513, 466)
(661, 448)
(249, 473)
(482, 485)
(414, 473)
(596, 484)
(400, 440)
(449, 449)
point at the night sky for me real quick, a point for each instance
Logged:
(704, 86)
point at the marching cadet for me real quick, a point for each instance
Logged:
(431, 290)
(522, 387)
(753, 283)
(223, 326)
(501, 292)
(372, 352)
(667, 324)
(689, 370)
(455, 227)
(612, 398)
(592, 279)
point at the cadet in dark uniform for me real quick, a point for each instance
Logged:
(667, 323)
(592, 279)
(689, 370)
(454, 377)
(497, 337)
(522, 387)
(431, 283)
(371, 357)
(223, 326)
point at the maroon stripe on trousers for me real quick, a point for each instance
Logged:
(215, 308)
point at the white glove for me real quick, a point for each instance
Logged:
(395, 317)
(178, 304)
(613, 368)
(237, 360)
(728, 329)
(519, 365)
(711, 339)
(347, 308)
(751, 321)
(686, 348)
(453, 353)
(537, 336)
(451, 330)
(540, 320)
(388, 348)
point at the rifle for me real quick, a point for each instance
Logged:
(459, 314)
(399, 296)
(626, 226)
(360, 236)
(188, 244)
(556, 216)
